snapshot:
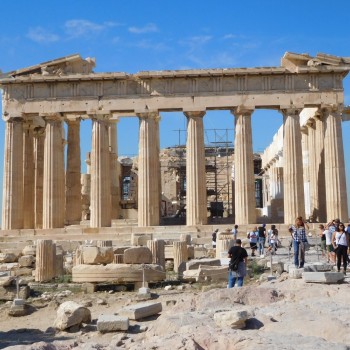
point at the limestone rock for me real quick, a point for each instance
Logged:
(233, 319)
(70, 314)
(323, 277)
(194, 264)
(7, 281)
(141, 310)
(295, 273)
(212, 273)
(97, 255)
(138, 255)
(112, 323)
(26, 261)
(29, 250)
(7, 258)
(10, 292)
(140, 239)
(117, 273)
(317, 267)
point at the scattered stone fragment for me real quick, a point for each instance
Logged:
(70, 314)
(112, 323)
(323, 277)
(141, 310)
(233, 319)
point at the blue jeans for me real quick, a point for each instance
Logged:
(232, 277)
(299, 248)
(261, 244)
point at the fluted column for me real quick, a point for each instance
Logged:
(148, 175)
(244, 168)
(12, 197)
(336, 195)
(196, 192)
(73, 186)
(45, 260)
(320, 169)
(180, 256)
(306, 175)
(222, 247)
(28, 175)
(39, 141)
(54, 179)
(157, 247)
(293, 168)
(313, 153)
(115, 169)
(100, 173)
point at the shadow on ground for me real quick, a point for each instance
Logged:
(27, 336)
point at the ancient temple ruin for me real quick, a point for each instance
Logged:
(41, 190)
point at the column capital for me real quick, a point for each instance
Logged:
(194, 114)
(323, 109)
(72, 118)
(99, 117)
(148, 115)
(13, 118)
(243, 110)
(290, 110)
(51, 116)
(38, 131)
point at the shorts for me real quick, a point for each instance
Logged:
(330, 248)
(323, 245)
(253, 245)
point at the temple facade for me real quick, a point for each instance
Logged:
(43, 190)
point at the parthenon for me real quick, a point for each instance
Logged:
(42, 187)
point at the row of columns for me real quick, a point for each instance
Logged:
(36, 156)
(312, 179)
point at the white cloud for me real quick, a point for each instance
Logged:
(41, 35)
(148, 28)
(82, 27)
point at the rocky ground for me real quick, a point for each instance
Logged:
(283, 313)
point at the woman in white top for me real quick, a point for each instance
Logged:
(341, 242)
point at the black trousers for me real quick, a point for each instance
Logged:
(342, 252)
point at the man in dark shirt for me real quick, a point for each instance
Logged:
(237, 252)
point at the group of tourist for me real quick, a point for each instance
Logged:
(335, 243)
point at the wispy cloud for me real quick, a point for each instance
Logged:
(82, 27)
(148, 28)
(150, 44)
(41, 35)
(196, 42)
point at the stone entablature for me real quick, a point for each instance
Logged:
(187, 90)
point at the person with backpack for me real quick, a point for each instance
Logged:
(213, 237)
(238, 263)
(341, 244)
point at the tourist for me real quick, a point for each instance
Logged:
(332, 226)
(261, 238)
(323, 239)
(213, 236)
(272, 238)
(329, 246)
(239, 258)
(299, 241)
(253, 239)
(341, 243)
(235, 232)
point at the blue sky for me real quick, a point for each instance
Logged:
(132, 36)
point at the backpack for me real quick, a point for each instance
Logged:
(233, 265)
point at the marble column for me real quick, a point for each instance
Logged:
(306, 175)
(276, 190)
(312, 169)
(100, 173)
(39, 141)
(45, 260)
(196, 191)
(244, 168)
(294, 202)
(115, 169)
(73, 173)
(336, 195)
(12, 197)
(54, 176)
(28, 175)
(180, 256)
(157, 247)
(148, 175)
(320, 169)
